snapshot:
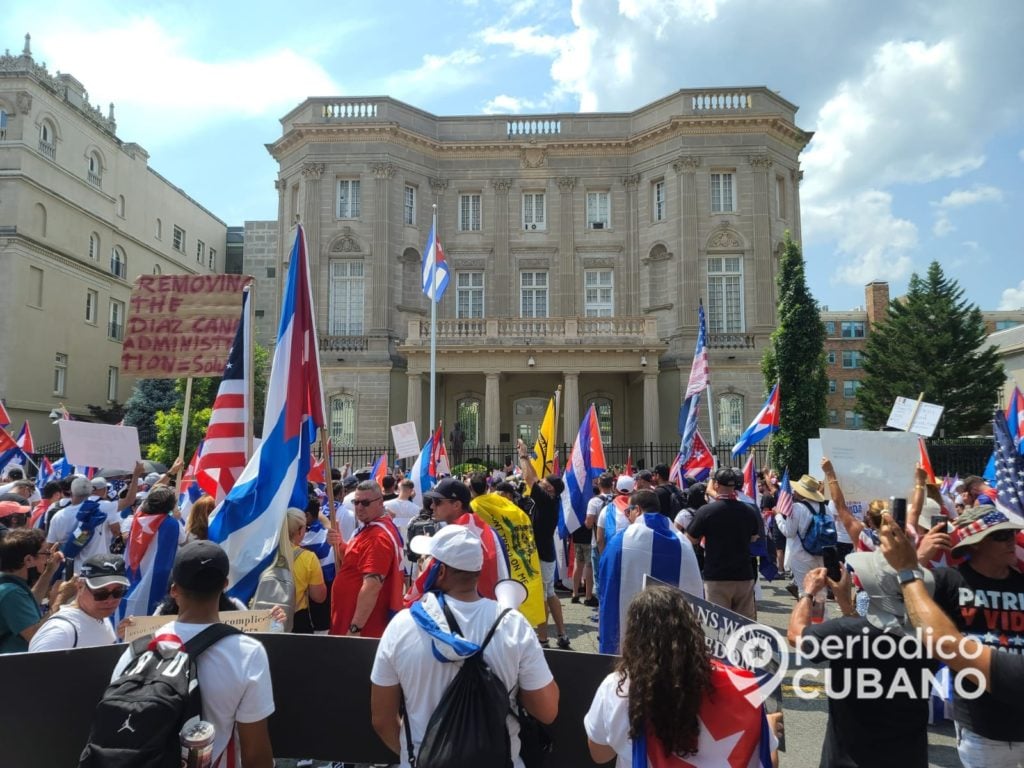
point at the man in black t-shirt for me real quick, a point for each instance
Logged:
(728, 526)
(669, 497)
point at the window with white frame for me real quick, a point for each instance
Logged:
(92, 302)
(112, 383)
(534, 211)
(850, 388)
(212, 263)
(345, 304)
(95, 169)
(60, 374)
(831, 357)
(348, 199)
(409, 207)
(533, 294)
(178, 242)
(730, 418)
(343, 421)
(853, 329)
(469, 212)
(118, 262)
(723, 192)
(831, 386)
(200, 251)
(48, 140)
(599, 211)
(115, 329)
(658, 200)
(725, 294)
(852, 358)
(94, 246)
(467, 416)
(598, 293)
(469, 294)
(854, 420)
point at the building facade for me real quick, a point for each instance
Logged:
(580, 246)
(81, 216)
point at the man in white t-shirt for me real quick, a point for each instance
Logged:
(97, 535)
(234, 674)
(807, 496)
(85, 622)
(403, 510)
(406, 663)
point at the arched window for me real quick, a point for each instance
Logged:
(467, 415)
(118, 262)
(603, 408)
(94, 246)
(343, 421)
(95, 171)
(528, 412)
(730, 418)
(156, 269)
(159, 229)
(39, 218)
(48, 139)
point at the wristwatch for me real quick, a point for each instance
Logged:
(907, 575)
(354, 629)
(805, 594)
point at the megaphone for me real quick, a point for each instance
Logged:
(509, 593)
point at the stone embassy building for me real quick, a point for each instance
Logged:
(579, 247)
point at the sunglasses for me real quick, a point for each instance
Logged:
(107, 594)
(365, 502)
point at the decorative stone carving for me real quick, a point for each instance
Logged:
(438, 185)
(346, 242)
(534, 263)
(280, 185)
(597, 262)
(566, 184)
(658, 253)
(725, 239)
(384, 170)
(686, 163)
(533, 157)
(797, 176)
(631, 181)
(761, 162)
(501, 186)
(24, 102)
(312, 171)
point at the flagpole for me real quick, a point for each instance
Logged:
(711, 420)
(250, 362)
(184, 428)
(433, 326)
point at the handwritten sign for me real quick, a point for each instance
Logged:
(246, 621)
(407, 442)
(97, 445)
(871, 465)
(925, 420)
(181, 325)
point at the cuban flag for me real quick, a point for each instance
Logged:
(699, 466)
(380, 469)
(926, 462)
(24, 439)
(435, 268)
(318, 468)
(585, 465)
(63, 468)
(649, 546)
(10, 451)
(1015, 419)
(5, 418)
(750, 481)
(675, 472)
(149, 558)
(766, 422)
(248, 522)
(424, 472)
(698, 382)
(190, 491)
(46, 473)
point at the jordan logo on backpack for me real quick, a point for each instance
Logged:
(126, 725)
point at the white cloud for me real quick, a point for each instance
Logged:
(960, 198)
(1013, 298)
(504, 104)
(436, 74)
(524, 40)
(942, 226)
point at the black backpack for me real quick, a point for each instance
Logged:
(421, 525)
(141, 714)
(467, 729)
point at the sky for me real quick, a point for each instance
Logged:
(917, 106)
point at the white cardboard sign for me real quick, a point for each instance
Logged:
(871, 465)
(98, 445)
(925, 420)
(407, 443)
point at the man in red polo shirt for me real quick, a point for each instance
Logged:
(367, 591)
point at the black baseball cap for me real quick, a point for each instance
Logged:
(449, 488)
(102, 570)
(201, 566)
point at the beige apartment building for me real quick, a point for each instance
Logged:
(81, 216)
(580, 246)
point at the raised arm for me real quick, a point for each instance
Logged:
(852, 525)
(529, 473)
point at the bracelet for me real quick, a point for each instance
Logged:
(919, 486)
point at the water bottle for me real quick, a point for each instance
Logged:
(197, 744)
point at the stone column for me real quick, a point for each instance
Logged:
(312, 173)
(567, 250)
(630, 276)
(571, 407)
(652, 414)
(492, 409)
(796, 176)
(499, 293)
(381, 299)
(689, 247)
(762, 256)
(414, 408)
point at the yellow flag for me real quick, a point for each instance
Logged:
(544, 463)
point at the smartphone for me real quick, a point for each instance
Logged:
(830, 557)
(898, 507)
(940, 520)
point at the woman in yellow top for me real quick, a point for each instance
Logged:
(306, 571)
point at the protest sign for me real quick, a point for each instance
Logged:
(407, 443)
(923, 422)
(97, 445)
(871, 465)
(246, 621)
(181, 325)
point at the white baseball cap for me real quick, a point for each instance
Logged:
(453, 545)
(625, 484)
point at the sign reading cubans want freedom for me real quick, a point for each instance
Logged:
(181, 325)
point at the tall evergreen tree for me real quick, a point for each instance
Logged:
(932, 341)
(795, 358)
(148, 397)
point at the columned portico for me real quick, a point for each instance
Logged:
(571, 405)
(492, 408)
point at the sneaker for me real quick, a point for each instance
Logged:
(575, 600)
(793, 589)
(591, 602)
(545, 643)
(563, 643)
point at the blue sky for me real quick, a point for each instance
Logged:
(918, 107)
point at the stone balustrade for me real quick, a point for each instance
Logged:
(343, 344)
(540, 331)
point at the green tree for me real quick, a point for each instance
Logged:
(795, 358)
(148, 397)
(931, 341)
(107, 414)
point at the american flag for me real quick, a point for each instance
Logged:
(224, 448)
(1009, 468)
(784, 501)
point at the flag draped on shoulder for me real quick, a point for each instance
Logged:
(224, 447)
(149, 558)
(248, 522)
(698, 382)
(434, 268)
(585, 465)
(766, 422)
(544, 450)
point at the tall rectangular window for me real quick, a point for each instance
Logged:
(60, 374)
(469, 212)
(725, 294)
(831, 356)
(345, 309)
(92, 302)
(409, 206)
(533, 294)
(200, 251)
(830, 327)
(850, 388)
(598, 293)
(854, 420)
(35, 287)
(112, 383)
(658, 200)
(178, 243)
(853, 329)
(831, 386)
(212, 264)
(534, 211)
(115, 329)
(348, 198)
(599, 211)
(780, 196)
(851, 358)
(723, 192)
(469, 294)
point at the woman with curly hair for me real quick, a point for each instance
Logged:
(654, 708)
